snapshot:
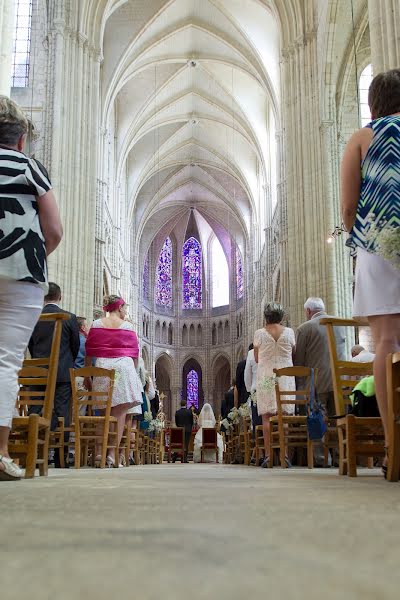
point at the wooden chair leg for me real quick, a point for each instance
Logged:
(44, 466)
(393, 386)
(77, 444)
(310, 454)
(106, 431)
(351, 456)
(31, 457)
(342, 453)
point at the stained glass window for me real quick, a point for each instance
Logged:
(22, 44)
(164, 276)
(192, 389)
(191, 274)
(239, 274)
(146, 279)
(220, 275)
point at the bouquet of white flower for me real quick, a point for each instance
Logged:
(244, 411)
(386, 240)
(155, 425)
(148, 416)
(233, 416)
(226, 424)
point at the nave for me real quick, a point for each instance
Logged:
(200, 531)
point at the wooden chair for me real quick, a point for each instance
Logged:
(393, 393)
(176, 442)
(209, 442)
(29, 437)
(87, 428)
(247, 441)
(358, 436)
(259, 448)
(290, 431)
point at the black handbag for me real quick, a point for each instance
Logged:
(316, 426)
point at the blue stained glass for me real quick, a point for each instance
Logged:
(164, 276)
(146, 279)
(239, 274)
(192, 389)
(192, 274)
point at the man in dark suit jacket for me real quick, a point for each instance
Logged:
(243, 394)
(184, 418)
(40, 346)
(227, 403)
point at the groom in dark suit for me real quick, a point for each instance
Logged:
(184, 418)
(40, 346)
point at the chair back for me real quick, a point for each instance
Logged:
(93, 399)
(44, 395)
(32, 383)
(297, 397)
(345, 374)
(177, 437)
(209, 437)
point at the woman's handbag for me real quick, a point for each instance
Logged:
(316, 426)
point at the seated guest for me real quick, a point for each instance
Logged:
(360, 354)
(184, 418)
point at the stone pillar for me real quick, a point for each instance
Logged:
(384, 27)
(7, 22)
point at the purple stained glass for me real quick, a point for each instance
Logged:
(192, 274)
(192, 389)
(239, 274)
(146, 279)
(164, 276)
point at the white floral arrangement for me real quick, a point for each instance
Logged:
(267, 384)
(244, 411)
(386, 239)
(253, 398)
(233, 416)
(148, 416)
(226, 424)
(156, 425)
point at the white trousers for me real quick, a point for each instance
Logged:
(20, 307)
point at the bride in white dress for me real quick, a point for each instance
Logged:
(207, 419)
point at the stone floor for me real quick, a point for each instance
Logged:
(200, 532)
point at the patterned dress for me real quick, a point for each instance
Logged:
(273, 354)
(127, 386)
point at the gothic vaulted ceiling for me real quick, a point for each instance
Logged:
(190, 89)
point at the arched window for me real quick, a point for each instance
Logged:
(192, 389)
(364, 83)
(239, 275)
(146, 279)
(22, 44)
(164, 276)
(220, 275)
(192, 274)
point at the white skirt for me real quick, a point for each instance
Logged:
(377, 289)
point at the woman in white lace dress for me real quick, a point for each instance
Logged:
(112, 341)
(274, 347)
(207, 419)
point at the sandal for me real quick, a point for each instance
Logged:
(122, 460)
(97, 461)
(10, 471)
(265, 463)
(110, 462)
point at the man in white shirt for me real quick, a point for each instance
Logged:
(361, 355)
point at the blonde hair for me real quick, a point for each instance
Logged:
(13, 123)
(110, 299)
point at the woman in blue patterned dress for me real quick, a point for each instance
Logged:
(370, 180)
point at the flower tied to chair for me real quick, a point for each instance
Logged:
(114, 305)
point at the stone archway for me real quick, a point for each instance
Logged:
(163, 372)
(221, 378)
(192, 365)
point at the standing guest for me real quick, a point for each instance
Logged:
(242, 394)
(184, 418)
(40, 347)
(371, 213)
(112, 341)
(274, 347)
(30, 230)
(155, 404)
(227, 404)
(83, 333)
(361, 355)
(312, 350)
(250, 380)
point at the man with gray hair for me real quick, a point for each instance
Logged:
(312, 351)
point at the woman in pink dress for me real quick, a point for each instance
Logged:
(274, 347)
(114, 344)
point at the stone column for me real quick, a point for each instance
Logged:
(384, 27)
(7, 22)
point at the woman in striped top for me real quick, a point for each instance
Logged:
(30, 229)
(371, 213)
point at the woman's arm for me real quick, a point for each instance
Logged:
(256, 354)
(50, 222)
(350, 176)
(88, 380)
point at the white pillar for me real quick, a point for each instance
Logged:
(384, 26)
(7, 21)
